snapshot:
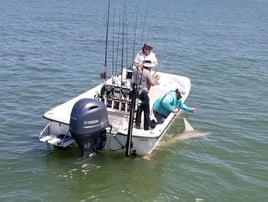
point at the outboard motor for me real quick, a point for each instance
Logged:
(88, 123)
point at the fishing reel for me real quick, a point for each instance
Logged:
(103, 75)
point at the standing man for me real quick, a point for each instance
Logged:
(144, 80)
(145, 54)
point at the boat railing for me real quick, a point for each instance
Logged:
(116, 97)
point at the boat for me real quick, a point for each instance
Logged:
(108, 119)
(107, 116)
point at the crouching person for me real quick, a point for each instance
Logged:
(171, 102)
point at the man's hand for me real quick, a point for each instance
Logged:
(193, 110)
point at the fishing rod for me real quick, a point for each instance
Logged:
(123, 39)
(157, 68)
(115, 46)
(104, 74)
(144, 23)
(135, 33)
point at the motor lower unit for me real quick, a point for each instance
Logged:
(88, 123)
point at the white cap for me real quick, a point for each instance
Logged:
(147, 45)
(181, 91)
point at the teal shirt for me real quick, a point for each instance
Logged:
(166, 104)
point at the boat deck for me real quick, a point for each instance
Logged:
(167, 82)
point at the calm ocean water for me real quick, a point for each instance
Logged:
(51, 51)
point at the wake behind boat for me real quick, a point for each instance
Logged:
(108, 116)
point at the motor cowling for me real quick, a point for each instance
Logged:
(88, 123)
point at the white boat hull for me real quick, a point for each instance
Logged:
(143, 142)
